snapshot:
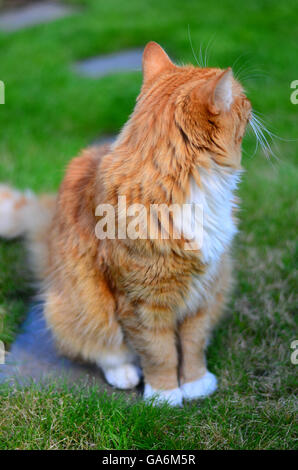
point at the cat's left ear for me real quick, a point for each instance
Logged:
(220, 92)
(155, 61)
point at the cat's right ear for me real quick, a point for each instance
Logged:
(219, 92)
(155, 61)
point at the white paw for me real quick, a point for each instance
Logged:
(172, 397)
(200, 388)
(124, 376)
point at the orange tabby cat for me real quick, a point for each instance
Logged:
(120, 301)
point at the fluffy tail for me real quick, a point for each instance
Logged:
(25, 214)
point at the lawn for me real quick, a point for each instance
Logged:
(51, 113)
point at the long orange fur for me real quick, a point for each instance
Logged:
(121, 298)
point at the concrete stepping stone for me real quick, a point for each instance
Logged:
(33, 357)
(30, 15)
(130, 60)
(103, 139)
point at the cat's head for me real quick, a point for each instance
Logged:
(207, 106)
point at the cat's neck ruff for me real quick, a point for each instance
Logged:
(217, 200)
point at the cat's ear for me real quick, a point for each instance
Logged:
(155, 61)
(220, 92)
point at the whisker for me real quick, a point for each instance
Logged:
(263, 135)
(251, 71)
(238, 58)
(251, 76)
(259, 117)
(257, 144)
(201, 56)
(207, 50)
(242, 67)
(262, 140)
(191, 45)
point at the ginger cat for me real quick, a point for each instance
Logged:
(121, 302)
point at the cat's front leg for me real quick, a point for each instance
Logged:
(151, 330)
(194, 332)
(195, 380)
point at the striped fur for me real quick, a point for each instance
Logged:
(117, 302)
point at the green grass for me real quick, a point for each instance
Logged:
(83, 419)
(50, 114)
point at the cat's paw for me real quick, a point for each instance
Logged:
(172, 397)
(199, 388)
(124, 377)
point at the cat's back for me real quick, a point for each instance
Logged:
(76, 197)
(72, 232)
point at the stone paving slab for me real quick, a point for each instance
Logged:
(130, 60)
(33, 357)
(30, 15)
(103, 139)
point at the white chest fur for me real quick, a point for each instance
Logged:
(216, 200)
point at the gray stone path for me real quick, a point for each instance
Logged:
(103, 139)
(33, 357)
(44, 12)
(130, 60)
(31, 15)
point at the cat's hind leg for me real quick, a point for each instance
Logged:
(94, 335)
(120, 367)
